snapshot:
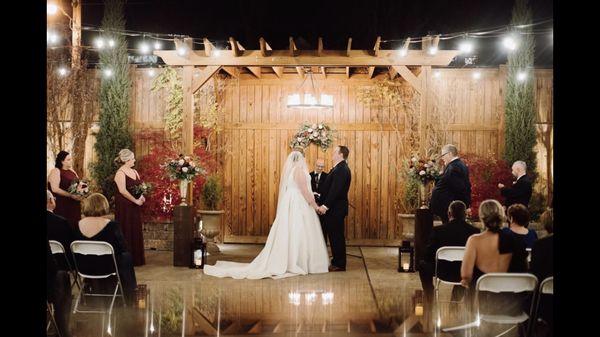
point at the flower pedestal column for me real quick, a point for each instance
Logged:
(183, 191)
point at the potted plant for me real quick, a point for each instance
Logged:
(211, 217)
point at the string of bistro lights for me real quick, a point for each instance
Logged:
(154, 41)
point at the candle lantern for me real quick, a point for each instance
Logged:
(418, 302)
(141, 293)
(406, 258)
(198, 249)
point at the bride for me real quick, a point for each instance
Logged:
(295, 245)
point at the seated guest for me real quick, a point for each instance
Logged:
(493, 251)
(454, 233)
(542, 264)
(58, 229)
(58, 290)
(518, 218)
(95, 227)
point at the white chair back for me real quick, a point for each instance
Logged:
(56, 247)
(450, 253)
(507, 282)
(547, 286)
(91, 248)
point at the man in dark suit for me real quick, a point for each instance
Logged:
(334, 206)
(542, 265)
(58, 229)
(453, 185)
(454, 233)
(317, 178)
(520, 192)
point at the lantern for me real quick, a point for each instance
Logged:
(141, 294)
(406, 258)
(198, 249)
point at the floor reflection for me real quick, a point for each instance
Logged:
(372, 300)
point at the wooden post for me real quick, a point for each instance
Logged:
(502, 76)
(423, 112)
(76, 34)
(423, 228)
(183, 227)
(188, 120)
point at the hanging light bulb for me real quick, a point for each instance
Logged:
(477, 75)
(157, 45)
(107, 72)
(432, 50)
(182, 50)
(62, 71)
(52, 37)
(466, 47)
(403, 52)
(151, 72)
(510, 43)
(437, 74)
(293, 99)
(521, 76)
(99, 43)
(111, 43)
(216, 52)
(144, 48)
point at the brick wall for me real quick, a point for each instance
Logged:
(158, 235)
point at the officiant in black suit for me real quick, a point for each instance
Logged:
(520, 191)
(453, 185)
(317, 178)
(334, 206)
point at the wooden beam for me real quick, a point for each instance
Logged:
(278, 71)
(409, 77)
(372, 326)
(208, 47)
(205, 75)
(323, 72)
(425, 43)
(292, 47)
(406, 44)
(328, 58)
(392, 71)
(300, 326)
(435, 41)
(324, 326)
(264, 47)
(375, 53)
(300, 71)
(347, 72)
(408, 324)
(203, 323)
(255, 71)
(188, 110)
(233, 328)
(278, 327)
(235, 47)
(371, 72)
(349, 47)
(320, 46)
(424, 109)
(233, 71)
(256, 328)
(188, 43)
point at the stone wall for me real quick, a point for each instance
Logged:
(158, 235)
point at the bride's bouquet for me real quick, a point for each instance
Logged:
(79, 187)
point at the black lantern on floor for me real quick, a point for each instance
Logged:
(198, 250)
(406, 258)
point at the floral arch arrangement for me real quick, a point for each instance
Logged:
(319, 134)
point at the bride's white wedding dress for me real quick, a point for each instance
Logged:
(295, 245)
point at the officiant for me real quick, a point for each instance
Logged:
(521, 190)
(317, 177)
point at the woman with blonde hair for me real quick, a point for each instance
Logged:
(95, 226)
(128, 204)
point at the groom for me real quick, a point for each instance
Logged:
(334, 206)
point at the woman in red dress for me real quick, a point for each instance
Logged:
(128, 204)
(59, 180)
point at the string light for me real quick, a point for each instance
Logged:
(182, 50)
(62, 71)
(151, 72)
(99, 43)
(432, 50)
(216, 52)
(108, 72)
(111, 43)
(477, 75)
(52, 37)
(157, 45)
(144, 48)
(509, 42)
(437, 74)
(521, 76)
(51, 8)
(403, 52)
(466, 47)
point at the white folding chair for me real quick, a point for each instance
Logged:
(546, 288)
(51, 319)
(57, 248)
(96, 248)
(502, 283)
(450, 254)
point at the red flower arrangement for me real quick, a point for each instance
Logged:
(485, 173)
(165, 192)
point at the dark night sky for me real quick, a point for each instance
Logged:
(335, 21)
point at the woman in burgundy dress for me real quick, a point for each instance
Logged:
(59, 180)
(128, 204)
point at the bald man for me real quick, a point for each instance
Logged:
(520, 191)
(317, 177)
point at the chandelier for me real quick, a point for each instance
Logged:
(309, 99)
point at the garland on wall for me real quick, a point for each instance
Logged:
(319, 134)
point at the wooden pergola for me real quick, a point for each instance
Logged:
(318, 60)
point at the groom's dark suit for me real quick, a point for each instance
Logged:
(334, 196)
(316, 182)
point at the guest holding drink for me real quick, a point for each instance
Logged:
(128, 201)
(60, 180)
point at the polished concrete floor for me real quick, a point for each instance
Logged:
(371, 297)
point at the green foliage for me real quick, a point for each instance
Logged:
(212, 192)
(171, 81)
(114, 133)
(520, 114)
(537, 205)
(410, 200)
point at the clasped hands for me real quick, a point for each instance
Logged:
(320, 209)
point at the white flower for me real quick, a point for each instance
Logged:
(315, 134)
(320, 126)
(197, 169)
(414, 159)
(422, 173)
(192, 163)
(314, 126)
(426, 165)
(299, 139)
(184, 169)
(323, 133)
(181, 162)
(310, 130)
